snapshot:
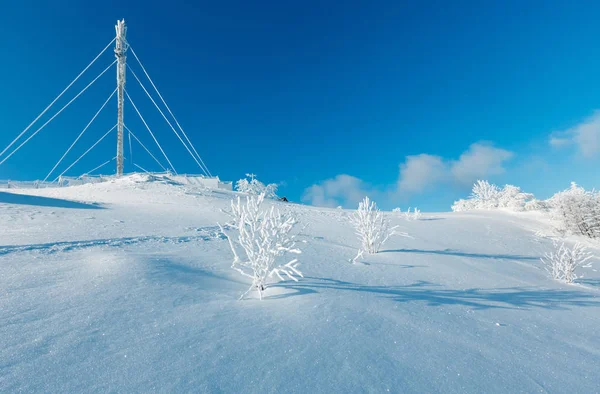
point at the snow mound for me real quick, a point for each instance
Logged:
(127, 286)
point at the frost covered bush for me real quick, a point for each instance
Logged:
(513, 198)
(415, 215)
(372, 228)
(262, 236)
(256, 187)
(562, 262)
(489, 196)
(577, 210)
(536, 205)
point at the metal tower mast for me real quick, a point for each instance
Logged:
(121, 55)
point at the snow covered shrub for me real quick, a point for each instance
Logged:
(417, 214)
(263, 235)
(464, 205)
(488, 196)
(397, 210)
(372, 228)
(536, 205)
(561, 262)
(513, 198)
(577, 210)
(486, 193)
(256, 187)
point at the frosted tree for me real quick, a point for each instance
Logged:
(372, 228)
(261, 237)
(577, 210)
(562, 261)
(489, 196)
(513, 198)
(464, 205)
(486, 194)
(397, 210)
(255, 187)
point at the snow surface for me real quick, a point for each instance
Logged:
(126, 286)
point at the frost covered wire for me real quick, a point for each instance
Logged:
(57, 97)
(262, 236)
(170, 112)
(150, 131)
(56, 114)
(168, 122)
(562, 261)
(80, 135)
(85, 153)
(143, 146)
(372, 228)
(99, 167)
(256, 187)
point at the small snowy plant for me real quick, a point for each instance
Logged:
(397, 210)
(372, 228)
(417, 214)
(262, 236)
(256, 187)
(408, 215)
(562, 261)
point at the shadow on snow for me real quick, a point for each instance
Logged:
(450, 252)
(24, 199)
(435, 295)
(206, 234)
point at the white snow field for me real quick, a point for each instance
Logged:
(127, 286)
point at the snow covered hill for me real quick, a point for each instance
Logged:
(126, 286)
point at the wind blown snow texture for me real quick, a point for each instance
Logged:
(127, 286)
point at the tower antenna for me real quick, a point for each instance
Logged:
(121, 47)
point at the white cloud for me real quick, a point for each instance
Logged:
(420, 171)
(417, 173)
(344, 190)
(586, 136)
(558, 142)
(479, 162)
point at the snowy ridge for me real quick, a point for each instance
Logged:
(127, 286)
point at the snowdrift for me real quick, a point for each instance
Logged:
(126, 286)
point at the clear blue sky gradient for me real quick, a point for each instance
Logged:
(299, 92)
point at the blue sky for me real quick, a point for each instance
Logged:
(409, 102)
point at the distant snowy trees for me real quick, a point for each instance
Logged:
(577, 210)
(372, 228)
(563, 260)
(261, 237)
(253, 186)
(489, 196)
(408, 215)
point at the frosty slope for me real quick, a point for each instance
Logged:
(128, 286)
